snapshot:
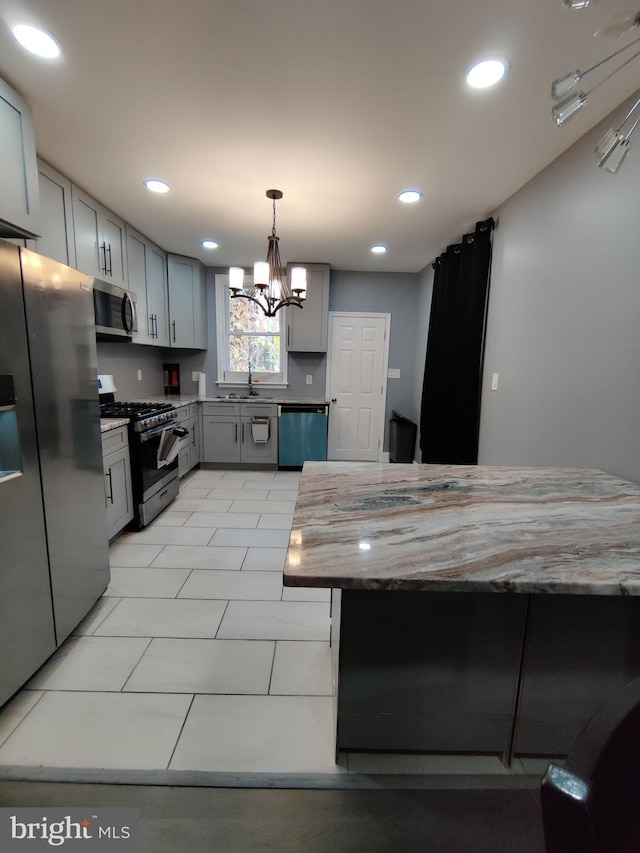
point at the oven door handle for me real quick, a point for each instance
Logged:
(156, 431)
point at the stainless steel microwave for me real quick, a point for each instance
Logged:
(115, 311)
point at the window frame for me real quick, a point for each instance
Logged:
(227, 378)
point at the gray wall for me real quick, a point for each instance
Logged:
(385, 293)
(123, 361)
(564, 318)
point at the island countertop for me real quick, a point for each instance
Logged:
(457, 528)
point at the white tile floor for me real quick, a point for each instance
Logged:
(196, 658)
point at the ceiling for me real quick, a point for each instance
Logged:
(341, 104)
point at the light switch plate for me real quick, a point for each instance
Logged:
(309, 379)
(139, 376)
(494, 381)
(393, 373)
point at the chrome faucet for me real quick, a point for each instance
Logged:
(252, 392)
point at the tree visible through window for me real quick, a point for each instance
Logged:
(249, 338)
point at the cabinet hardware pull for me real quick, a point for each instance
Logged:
(243, 432)
(151, 335)
(133, 326)
(103, 266)
(110, 486)
(236, 441)
(110, 261)
(155, 325)
(162, 494)
(334, 400)
(288, 334)
(174, 331)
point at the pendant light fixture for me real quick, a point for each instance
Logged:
(614, 145)
(612, 149)
(270, 289)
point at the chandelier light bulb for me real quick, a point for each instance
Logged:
(577, 4)
(299, 282)
(566, 109)
(563, 86)
(612, 161)
(236, 279)
(608, 142)
(261, 274)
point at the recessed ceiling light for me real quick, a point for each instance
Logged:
(36, 41)
(577, 4)
(410, 196)
(379, 249)
(156, 186)
(210, 244)
(486, 72)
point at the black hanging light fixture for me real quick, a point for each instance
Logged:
(270, 289)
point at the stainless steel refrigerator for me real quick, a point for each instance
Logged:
(54, 556)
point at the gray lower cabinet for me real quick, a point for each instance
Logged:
(240, 434)
(117, 480)
(189, 456)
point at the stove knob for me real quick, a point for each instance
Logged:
(153, 422)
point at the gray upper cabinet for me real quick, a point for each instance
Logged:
(100, 239)
(57, 240)
(19, 193)
(187, 302)
(147, 275)
(307, 327)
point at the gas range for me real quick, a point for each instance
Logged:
(143, 416)
(154, 479)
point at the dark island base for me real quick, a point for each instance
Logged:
(483, 673)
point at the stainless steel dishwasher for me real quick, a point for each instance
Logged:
(302, 434)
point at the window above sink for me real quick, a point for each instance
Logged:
(246, 338)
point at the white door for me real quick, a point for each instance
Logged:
(356, 384)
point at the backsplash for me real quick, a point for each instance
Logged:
(124, 360)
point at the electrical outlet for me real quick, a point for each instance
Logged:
(139, 376)
(309, 379)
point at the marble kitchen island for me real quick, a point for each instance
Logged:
(475, 609)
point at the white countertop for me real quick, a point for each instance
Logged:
(107, 424)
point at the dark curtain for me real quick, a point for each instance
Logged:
(450, 415)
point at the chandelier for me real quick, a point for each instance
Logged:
(612, 149)
(270, 289)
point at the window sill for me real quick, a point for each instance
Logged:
(256, 385)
